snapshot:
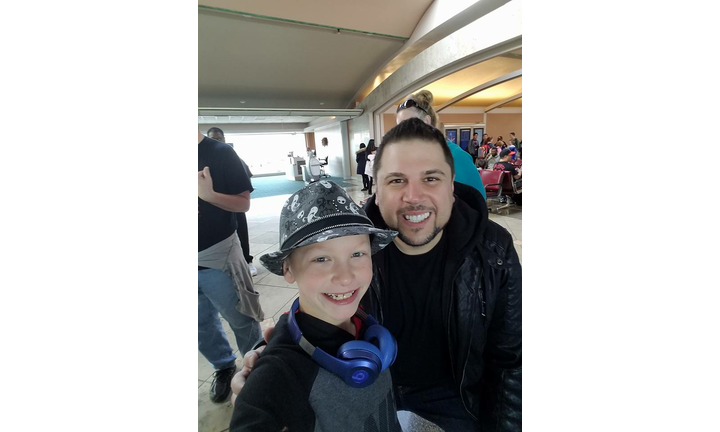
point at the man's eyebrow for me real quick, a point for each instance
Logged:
(434, 171)
(395, 174)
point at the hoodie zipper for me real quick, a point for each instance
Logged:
(467, 356)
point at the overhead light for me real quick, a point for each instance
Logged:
(322, 103)
(242, 101)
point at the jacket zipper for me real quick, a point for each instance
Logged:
(462, 379)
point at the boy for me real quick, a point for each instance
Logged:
(326, 366)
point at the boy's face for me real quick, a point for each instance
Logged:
(341, 267)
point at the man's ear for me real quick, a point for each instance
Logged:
(287, 273)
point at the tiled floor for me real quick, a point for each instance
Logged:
(276, 295)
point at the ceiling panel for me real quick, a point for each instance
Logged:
(396, 17)
(267, 64)
(461, 81)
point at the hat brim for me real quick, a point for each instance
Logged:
(379, 238)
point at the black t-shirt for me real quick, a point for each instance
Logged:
(229, 177)
(413, 314)
(507, 166)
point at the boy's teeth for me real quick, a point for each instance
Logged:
(417, 218)
(340, 296)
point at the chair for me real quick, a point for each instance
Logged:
(492, 180)
(322, 167)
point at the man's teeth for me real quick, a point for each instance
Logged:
(417, 218)
(340, 296)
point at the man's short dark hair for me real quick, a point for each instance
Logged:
(410, 129)
(215, 129)
(505, 152)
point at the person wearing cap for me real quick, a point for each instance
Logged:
(326, 366)
(448, 288)
(506, 165)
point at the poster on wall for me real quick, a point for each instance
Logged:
(451, 135)
(464, 138)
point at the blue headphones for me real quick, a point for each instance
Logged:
(358, 363)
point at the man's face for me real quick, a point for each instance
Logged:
(217, 136)
(341, 267)
(493, 151)
(475, 136)
(415, 190)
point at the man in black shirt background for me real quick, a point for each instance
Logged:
(224, 281)
(505, 164)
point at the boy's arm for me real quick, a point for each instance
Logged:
(272, 399)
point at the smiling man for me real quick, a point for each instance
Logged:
(448, 288)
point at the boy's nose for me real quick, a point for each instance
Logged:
(343, 276)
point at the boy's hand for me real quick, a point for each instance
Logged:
(249, 360)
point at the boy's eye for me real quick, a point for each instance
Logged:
(320, 259)
(358, 254)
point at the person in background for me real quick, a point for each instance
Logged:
(418, 106)
(505, 164)
(514, 141)
(225, 286)
(500, 143)
(360, 158)
(492, 158)
(242, 226)
(370, 157)
(474, 146)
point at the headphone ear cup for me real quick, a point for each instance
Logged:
(361, 355)
(386, 343)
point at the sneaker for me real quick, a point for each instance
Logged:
(253, 270)
(220, 388)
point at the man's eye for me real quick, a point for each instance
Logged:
(358, 254)
(431, 179)
(396, 181)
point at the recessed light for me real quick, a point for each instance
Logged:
(322, 103)
(242, 101)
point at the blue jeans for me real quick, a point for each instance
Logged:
(440, 405)
(216, 293)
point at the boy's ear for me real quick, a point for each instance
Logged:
(287, 273)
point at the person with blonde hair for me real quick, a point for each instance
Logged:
(418, 106)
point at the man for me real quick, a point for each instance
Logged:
(514, 141)
(224, 281)
(492, 158)
(242, 230)
(448, 288)
(505, 164)
(473, 147)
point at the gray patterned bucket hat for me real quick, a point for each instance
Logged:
(321, 211)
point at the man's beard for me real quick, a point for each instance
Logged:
(407, 241)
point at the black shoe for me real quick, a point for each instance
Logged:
(220, 388)
(363, 190)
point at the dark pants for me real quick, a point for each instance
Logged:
(242, 232)
(366, 181)
(370, 185)
(440, 405)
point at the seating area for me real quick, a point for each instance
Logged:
(500, 189)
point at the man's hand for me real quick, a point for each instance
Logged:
(238, 381)
(205, 184)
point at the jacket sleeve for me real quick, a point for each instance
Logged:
(272, 399)
(502, 378)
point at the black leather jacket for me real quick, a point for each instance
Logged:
(482, 310)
